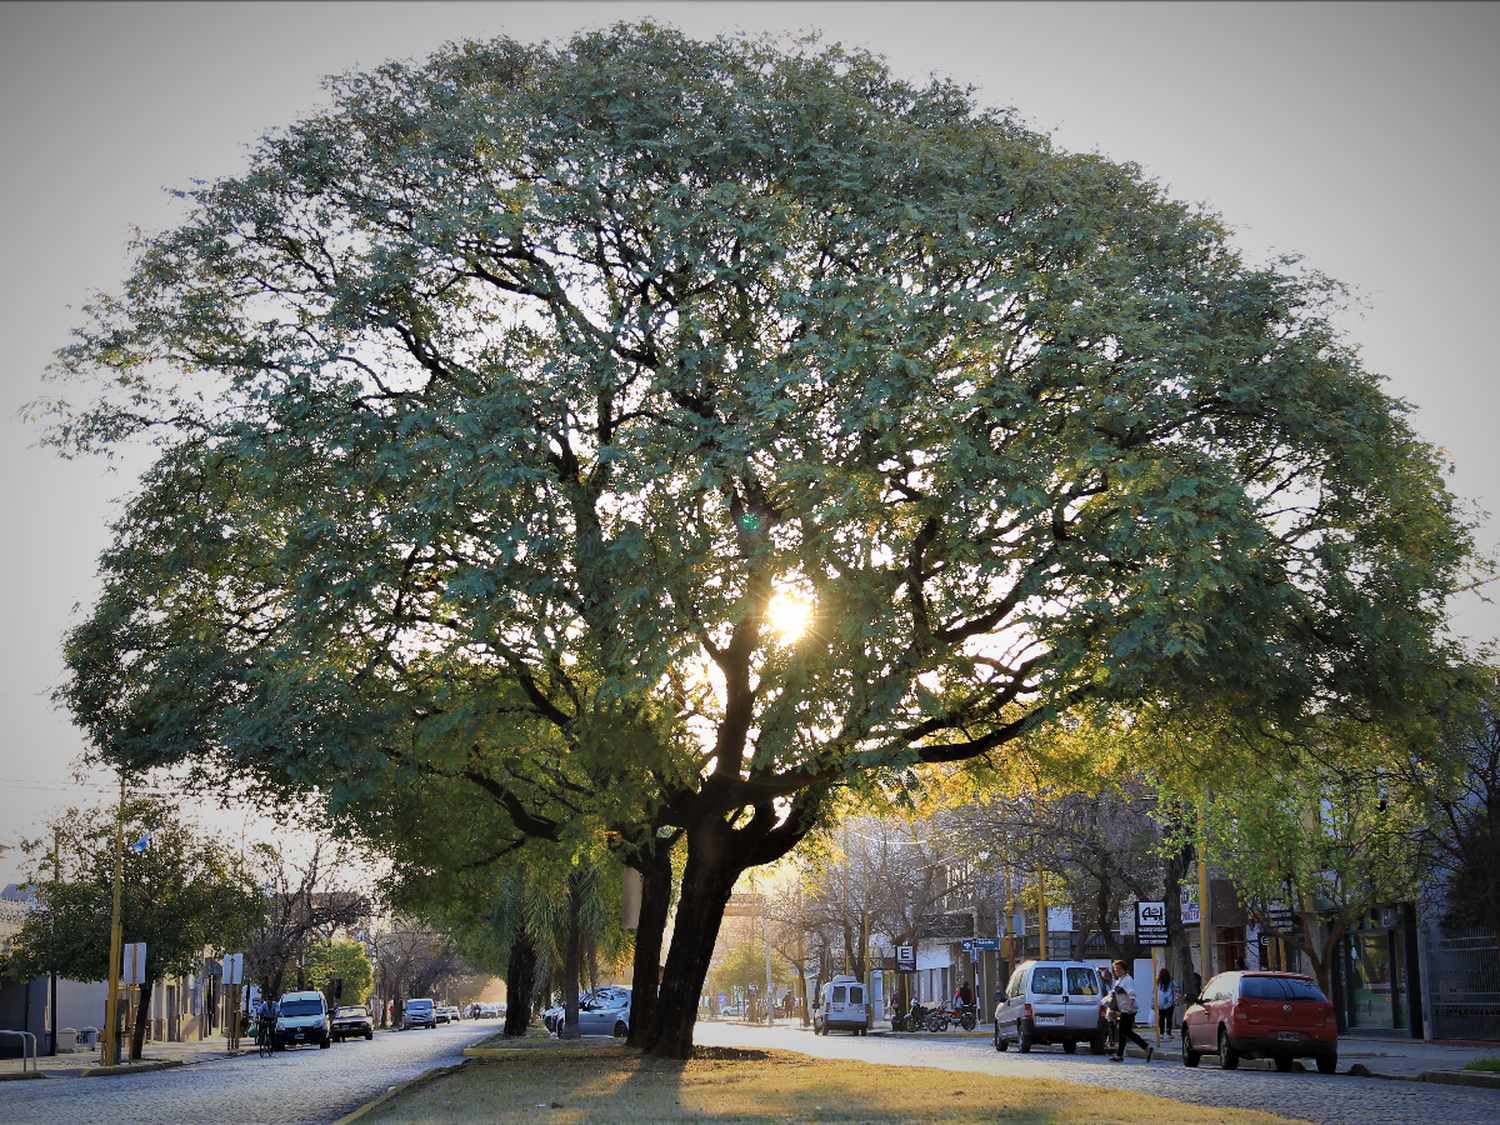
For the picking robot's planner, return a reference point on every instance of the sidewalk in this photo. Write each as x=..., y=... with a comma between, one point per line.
x=1381, y=1056
x=155, y=1056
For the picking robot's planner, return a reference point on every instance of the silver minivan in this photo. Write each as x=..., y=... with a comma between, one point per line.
x=1052, y=1002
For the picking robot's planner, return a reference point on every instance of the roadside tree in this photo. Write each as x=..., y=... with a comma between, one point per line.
x=340, y=969
x=306, y=900
x=1462, y=791
x=1321, y=845
x=710, y=427
x=182, y=889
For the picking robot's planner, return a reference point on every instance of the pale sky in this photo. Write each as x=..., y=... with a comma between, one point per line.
x=1361, y=136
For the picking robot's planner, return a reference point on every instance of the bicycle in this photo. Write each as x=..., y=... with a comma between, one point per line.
x=265, y=1037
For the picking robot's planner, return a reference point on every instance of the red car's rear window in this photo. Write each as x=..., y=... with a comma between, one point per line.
x=1280, y=988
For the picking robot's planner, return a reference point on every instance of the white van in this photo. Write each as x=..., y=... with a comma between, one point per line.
x=1052, y=1002
x=845, y=1007
x=303, y=1018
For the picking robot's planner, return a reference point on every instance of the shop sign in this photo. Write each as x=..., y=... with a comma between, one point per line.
x=1151, y=923
x=1191, y=915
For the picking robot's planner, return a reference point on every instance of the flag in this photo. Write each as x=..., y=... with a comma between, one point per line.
x=140, y=845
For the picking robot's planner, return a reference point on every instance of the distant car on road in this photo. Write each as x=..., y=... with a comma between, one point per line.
x=418, y=1012
x=353, y=1021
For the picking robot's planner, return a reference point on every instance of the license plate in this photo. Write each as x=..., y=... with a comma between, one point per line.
x=1047, y=1021
x=1288, y=1036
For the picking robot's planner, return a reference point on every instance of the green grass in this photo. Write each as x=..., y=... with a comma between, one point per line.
x=543, y=1082
x=1487, y=1061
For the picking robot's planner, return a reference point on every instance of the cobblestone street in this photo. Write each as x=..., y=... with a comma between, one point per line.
x=305, y=1086
x=313, y=1087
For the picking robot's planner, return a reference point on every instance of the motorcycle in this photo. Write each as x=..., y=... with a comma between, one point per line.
x=914, y=1020
x=965, y=1015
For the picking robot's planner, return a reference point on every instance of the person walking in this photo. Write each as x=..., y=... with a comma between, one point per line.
x=1168, y=996
x=1112, y=1011
x=1124, y=994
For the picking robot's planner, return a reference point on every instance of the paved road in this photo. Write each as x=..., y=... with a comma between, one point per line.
x=1324, y=1099
x=305, y=1086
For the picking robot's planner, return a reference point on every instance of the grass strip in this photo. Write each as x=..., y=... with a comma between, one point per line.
x=543, y=1082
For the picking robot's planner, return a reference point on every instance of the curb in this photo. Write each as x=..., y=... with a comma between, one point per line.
x=1487, y=1079
x=410, y=1084
x=17, y=1075
x=130, y=1068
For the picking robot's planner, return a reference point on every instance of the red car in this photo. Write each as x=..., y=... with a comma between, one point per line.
x=1280, y=1016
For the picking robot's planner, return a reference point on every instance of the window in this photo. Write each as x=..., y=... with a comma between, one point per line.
x=1082, y=982
x=839, y=993
x=1279, y=988
x=856, y=994
x=1047, y=980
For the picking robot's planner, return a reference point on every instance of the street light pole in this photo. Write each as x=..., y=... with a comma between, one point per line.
x=111, y=1054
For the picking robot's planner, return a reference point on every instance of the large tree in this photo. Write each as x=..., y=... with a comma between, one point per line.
x=503, y=405
x=181, y=889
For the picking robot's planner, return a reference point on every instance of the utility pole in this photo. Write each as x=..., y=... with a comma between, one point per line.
x=57, y=884
x=1041, y=902
x=1204, y=927
x=111, y=1054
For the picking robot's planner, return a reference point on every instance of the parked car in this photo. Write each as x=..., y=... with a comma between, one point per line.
x=352, y=1021
x=845, y=1007
x=418, y=1012
x=1266, y=1015
x=440, y=1014
x=554, y=1017
x=607, y=1013
x=1052, y=1002
x=454, y=1015
x=303, y=1019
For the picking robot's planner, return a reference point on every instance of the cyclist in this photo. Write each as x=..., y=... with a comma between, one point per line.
x=265, y=1025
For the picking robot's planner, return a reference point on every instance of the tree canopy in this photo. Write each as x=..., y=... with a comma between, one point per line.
x=503, y=404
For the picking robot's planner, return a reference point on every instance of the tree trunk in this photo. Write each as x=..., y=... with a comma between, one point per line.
x=520, y=976
x=656, y=900
x=1176, y=867
x=712, y=869
x=142, y=1013
x=717, y=854
x=572, y=958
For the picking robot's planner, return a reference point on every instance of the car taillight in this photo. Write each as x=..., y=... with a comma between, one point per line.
x=1028, y=1011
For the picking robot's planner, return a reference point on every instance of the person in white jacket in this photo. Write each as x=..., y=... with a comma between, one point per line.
x=1124, y=995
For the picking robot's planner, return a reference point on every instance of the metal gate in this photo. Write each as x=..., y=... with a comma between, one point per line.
x=1463, y=976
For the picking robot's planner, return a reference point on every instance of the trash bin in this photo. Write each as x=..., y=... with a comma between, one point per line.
x=67, y=1039
x=89, y=1038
